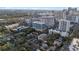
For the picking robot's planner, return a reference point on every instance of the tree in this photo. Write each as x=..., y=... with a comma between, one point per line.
x=3, y=29
x=6, y=47
x=52, y=37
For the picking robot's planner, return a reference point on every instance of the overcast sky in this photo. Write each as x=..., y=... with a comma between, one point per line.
x=36, y=4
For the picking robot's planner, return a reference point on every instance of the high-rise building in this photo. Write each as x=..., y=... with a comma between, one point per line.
x=77, y=19
x=48, y=20
x=73, y=19
x=39, y=26
x=64, y=25
x=72, y=9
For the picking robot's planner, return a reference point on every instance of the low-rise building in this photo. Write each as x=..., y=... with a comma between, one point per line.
x=28, y=22
x=64, y=34
x=20, y=28
x=53, y=31
x=12, y=26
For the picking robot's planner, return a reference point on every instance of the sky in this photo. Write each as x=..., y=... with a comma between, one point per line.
x=38, y=4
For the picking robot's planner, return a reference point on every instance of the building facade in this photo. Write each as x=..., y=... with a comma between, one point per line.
x=39, y=26
x=73, y=19
x=48, y=20
x=64, y=25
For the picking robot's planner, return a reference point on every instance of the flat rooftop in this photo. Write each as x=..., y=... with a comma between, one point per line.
x=38, y=22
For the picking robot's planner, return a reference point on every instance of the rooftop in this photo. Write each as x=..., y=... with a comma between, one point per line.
x=38, y=22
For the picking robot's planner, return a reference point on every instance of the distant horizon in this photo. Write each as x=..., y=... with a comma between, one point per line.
x=38, y=8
